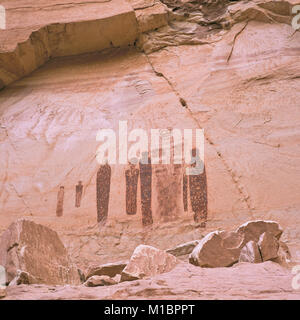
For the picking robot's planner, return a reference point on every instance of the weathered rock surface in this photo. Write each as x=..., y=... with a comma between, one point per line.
x=212, y=252
x=262, y=281
x=147, y=261
x=250, y=253
x=23, y=277
x=150, y=14
x=48, y=31
x=97, y=281
x=109, y=269
x=38, y=251
x=284, y=256
x=117, y=278
x=268, y=246
x=235, y=64
x=2, y=292
x=45, y=32
x=223, y=249
x=225, y=84
x=253, y=230
x=183, y=249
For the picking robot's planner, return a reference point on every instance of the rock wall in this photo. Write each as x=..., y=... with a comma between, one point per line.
x=230, y=68
x=38, y=32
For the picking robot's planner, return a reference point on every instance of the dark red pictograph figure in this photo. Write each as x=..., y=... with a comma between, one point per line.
x=103, y=190
x=79, y=190
x=60, y=202
x=168, y=191
x=132, y=176
x=146, y=192
x=185, y=192
x=198, y=195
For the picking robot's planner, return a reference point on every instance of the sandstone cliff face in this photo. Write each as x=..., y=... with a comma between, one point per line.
x=232, y=68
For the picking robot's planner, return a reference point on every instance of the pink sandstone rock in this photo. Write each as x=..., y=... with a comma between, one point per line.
x=250, y=253
x=2, y=292
x=109, y=269
x=223, y=249
x=147, y=261
x=268, y=246
x=284, y=256
x=97, y=281
x=252, y=230
x=230, y=67
x=38, y=251
x=211, y=252
x=23, y=277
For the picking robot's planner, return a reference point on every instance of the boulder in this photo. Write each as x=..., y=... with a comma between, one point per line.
x=23, y=277
x=217, y=249
x=283, y=255
x=109, y=269
x=252, y=230
x=250, y=253
x=183, y=249
x=268, y=246
x=223, y=249
x=2, y=292
x=232, y=240
x=97, y=281
x=148, y=261
x=37, y=250
x=81, y=276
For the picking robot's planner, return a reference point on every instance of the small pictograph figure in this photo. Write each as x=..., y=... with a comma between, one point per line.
x=132, y=176
x=185, y=192
x=103, y=191
x=79, y=190
x=198, y=191
x=60, y=202
x=146, y=189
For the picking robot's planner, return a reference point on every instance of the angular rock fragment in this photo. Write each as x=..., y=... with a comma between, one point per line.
x=109, y=269
x=250, y=253
x=216, y=250
x=23, y=277
x=268, y=246
x=283, y=255
x=2, y=292
x=81, y=275
x=232, y=240
x=36, y=249
x=148, y=261
x=97, y=281
x=183, y=249
x=252, y=230
x=223, y=249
